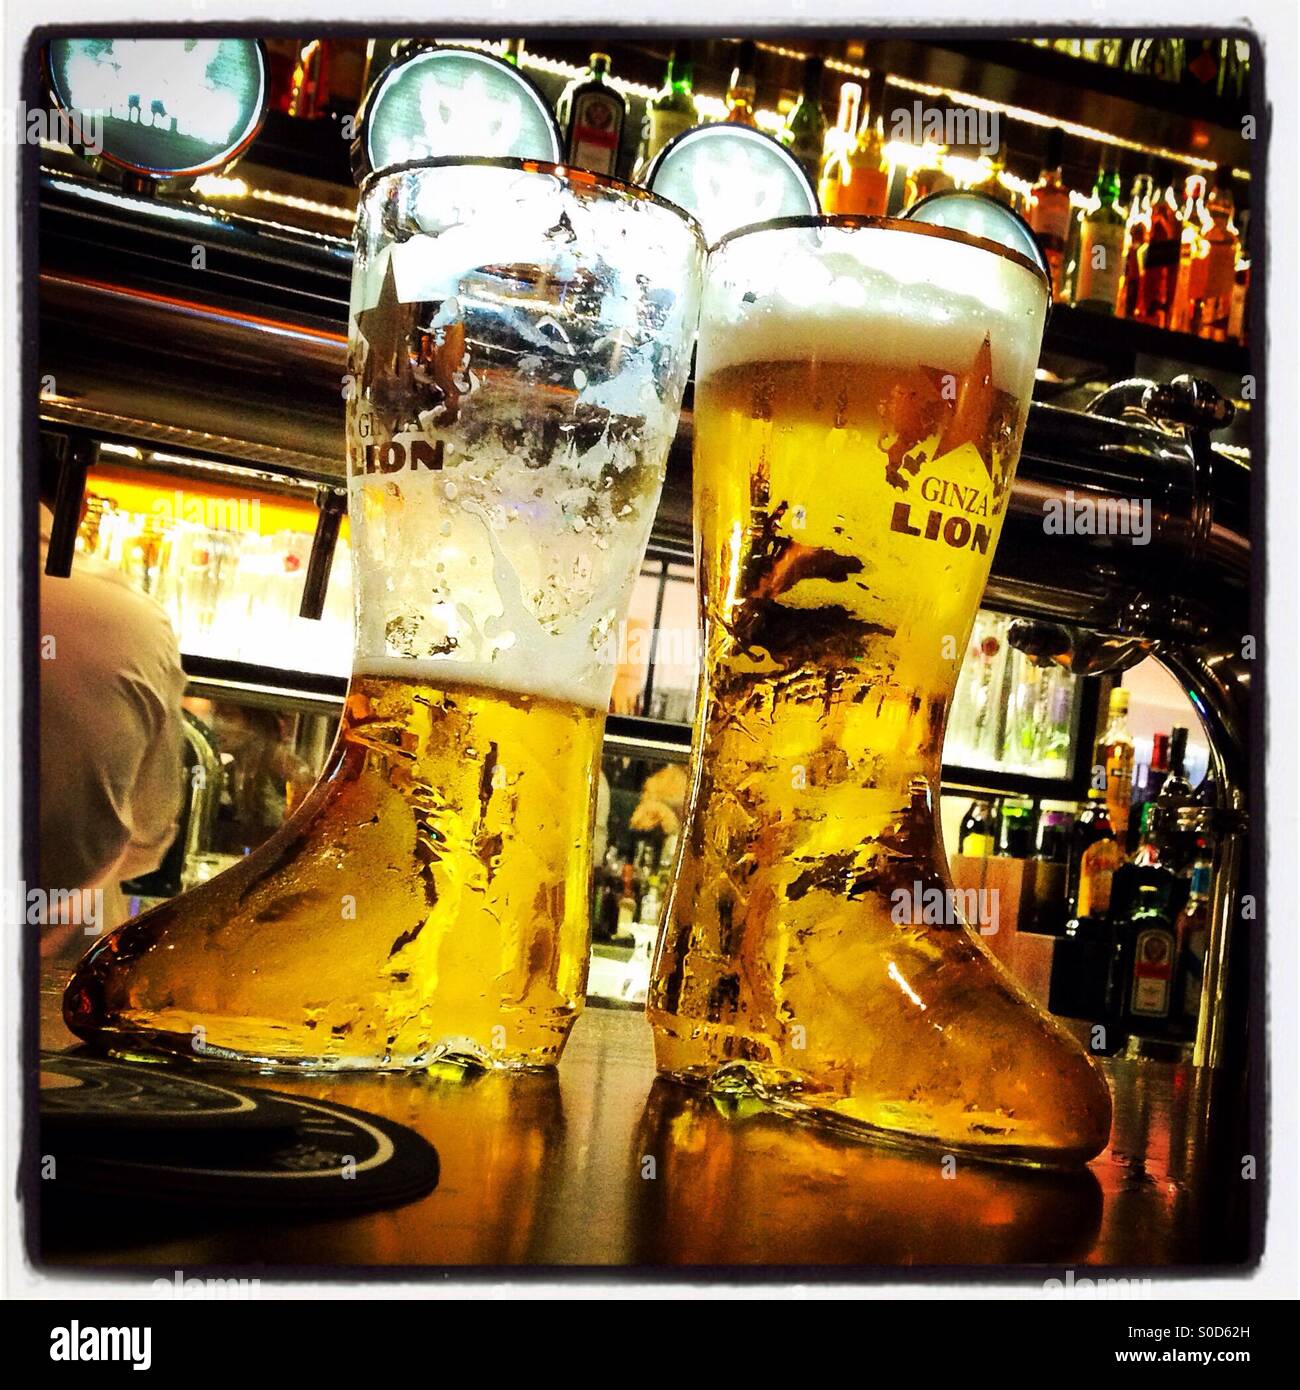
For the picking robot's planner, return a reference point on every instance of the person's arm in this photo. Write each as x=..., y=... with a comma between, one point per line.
x=155, y=801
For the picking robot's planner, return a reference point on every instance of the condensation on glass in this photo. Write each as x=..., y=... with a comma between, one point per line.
x=520, y=341
x=861, y=394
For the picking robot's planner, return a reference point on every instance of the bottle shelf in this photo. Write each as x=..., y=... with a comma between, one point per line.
x=1105, y=338
x=1183, y=101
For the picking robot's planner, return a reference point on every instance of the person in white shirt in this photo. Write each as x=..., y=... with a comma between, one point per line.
x=111, y=737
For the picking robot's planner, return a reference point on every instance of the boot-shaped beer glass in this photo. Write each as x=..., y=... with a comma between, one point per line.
x=520, y=340
x=861, y=393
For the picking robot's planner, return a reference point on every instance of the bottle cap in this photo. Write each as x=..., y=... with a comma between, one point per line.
x=1119, y=700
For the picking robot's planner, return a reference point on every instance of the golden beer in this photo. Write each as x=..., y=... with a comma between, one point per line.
x=852, y=470
x=428, y=900
x=520, y=341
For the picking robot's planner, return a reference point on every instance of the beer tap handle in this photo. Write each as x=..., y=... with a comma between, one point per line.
x=76, y=456
x=1191, y=402
x=330, y=504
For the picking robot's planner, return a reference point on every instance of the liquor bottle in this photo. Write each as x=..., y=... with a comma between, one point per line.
x=1115, y=754
x=1101, y=247
x=990, y=183
x=310, y=89
x=1192, y=936
x=281, y=64
x=978, y=835
x=651, y=905
x=627, y=902
x=1094, y=856
x=1170, y=60
x=673, y=109
x=804, y=134
x=1157, y=771
x=1145, y=916
x=1238, y=327
x=930, y=176
x=1048, y=213
x=840, y=139
x=1136, y=231
x=1146, y=851
x=1070, y=273
x=1176, y=790
x=1162, y=59
x=591, y=115
x=1019, y=831
x=349, y=78
x=1213, y=276
x=1086, y=983
x=1158, y=258
x=1054, y=837
x=1234, y=71
x=605, y=926
x=867, y=173
x=1159, y=766
x=1192, y=222
x=1172, y=844
x=1110, y=52
x=743, y=89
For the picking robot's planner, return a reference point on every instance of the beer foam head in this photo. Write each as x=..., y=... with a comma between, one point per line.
x=882, y=296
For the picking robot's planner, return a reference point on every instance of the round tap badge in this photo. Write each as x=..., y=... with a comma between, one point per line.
x=164, y=108
x=439, y=102
x=965, y=210
x=729, y=176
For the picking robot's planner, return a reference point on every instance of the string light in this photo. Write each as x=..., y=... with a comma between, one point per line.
x=1018, y=113
x=218, y=186
x=714, y=108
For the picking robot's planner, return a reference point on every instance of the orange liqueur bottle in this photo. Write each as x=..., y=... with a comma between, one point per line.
x=1049, y=210
x=839, y=141
x=1211, y=287
x=855, y=177
x=1192, y=224
x=1158, y=256
x=1136, y=231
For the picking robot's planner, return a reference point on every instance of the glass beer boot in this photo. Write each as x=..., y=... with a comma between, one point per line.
x=861, y=393
x=520, y=340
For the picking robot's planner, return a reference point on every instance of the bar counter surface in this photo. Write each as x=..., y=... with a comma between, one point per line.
x=600, y=1165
